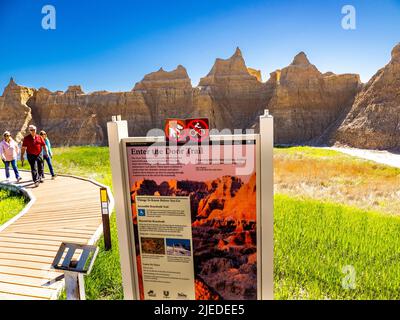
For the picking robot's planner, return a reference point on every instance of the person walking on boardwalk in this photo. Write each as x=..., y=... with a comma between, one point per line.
x=47, y=155
x=33, y=145
x=9, y=153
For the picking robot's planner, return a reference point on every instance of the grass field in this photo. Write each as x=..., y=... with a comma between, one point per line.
x=318, y=246
x=317, y=234
x=10, y=205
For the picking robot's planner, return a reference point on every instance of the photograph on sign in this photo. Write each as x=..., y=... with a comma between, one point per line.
x=194, y=215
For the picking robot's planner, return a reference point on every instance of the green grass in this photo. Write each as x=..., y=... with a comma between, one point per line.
x=89, y=162
x=314, y=239
x=10, y=205
x=309, y=152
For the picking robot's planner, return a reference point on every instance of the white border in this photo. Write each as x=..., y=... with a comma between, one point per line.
x=259, y=220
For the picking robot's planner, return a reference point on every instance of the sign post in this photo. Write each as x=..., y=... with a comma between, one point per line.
x=117, y=130
x=267, y=203
x=105, y=215
x=197, y=213
x=76, y=260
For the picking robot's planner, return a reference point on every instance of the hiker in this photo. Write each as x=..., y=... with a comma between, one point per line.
x=47, y=155
x=9, y=153
x=33, y=145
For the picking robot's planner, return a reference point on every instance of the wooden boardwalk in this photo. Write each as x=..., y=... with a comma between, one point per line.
x=66, y=209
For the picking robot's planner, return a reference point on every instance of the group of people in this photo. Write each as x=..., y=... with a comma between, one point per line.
x=37, y=148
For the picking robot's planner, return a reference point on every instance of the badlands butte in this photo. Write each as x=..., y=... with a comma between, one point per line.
x=309, y=107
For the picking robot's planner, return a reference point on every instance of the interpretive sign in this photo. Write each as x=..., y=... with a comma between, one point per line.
x=218, y=181
x=196, y=218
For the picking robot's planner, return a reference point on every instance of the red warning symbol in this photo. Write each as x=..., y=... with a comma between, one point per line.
x=175, y=129
x=197, y=129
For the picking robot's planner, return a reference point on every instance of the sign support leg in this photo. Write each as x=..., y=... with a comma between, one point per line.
x=267, y=205
x=74, y=286
x=118, y=130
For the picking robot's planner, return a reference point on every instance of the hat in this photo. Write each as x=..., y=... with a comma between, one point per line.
x=6, y=133
x=32, y=127
x=42, y=132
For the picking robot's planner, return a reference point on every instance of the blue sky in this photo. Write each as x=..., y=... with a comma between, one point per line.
x=110, y=45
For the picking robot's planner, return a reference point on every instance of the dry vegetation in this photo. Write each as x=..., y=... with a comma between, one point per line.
x=331, y=176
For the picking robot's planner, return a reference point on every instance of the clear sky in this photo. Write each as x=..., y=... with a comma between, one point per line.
x=110, y=45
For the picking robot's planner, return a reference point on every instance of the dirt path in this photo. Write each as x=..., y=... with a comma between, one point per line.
x=383, y=157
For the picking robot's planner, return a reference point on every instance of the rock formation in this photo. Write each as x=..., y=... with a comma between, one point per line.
x=166, y=95
x=305, y=102
x=15, y=115
x=308, y=106
x=374, y=119
x=236, y=96
x=255, y=73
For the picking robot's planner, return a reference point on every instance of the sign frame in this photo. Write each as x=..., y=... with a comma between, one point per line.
x=118, y=140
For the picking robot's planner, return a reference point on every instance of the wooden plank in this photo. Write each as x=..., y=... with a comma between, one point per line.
x=40, y=236
x=31, y=252
x=58, y=214
x=49, y=232
x=24, y=264
x=62, y=220
x=26, y=291
x=29, y=281
x=26, y=257
x=73, y=206
x=58, y=229
x=76, y=231
x=32, y=273
x=66, y=210
x=10, y=296
x=4, y=238
x=29, y=246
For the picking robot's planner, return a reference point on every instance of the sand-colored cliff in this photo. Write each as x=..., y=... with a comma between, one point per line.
x=308, y=106
x=374, y=119
x=305, y=102
x=15, y=115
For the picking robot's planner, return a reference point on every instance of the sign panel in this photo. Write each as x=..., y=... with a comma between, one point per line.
x=165, y=244
x=195, y=215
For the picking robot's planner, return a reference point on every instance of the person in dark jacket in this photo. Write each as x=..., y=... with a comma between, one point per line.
x=33, y=144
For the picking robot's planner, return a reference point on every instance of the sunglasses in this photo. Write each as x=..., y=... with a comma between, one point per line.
x=32, y=130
